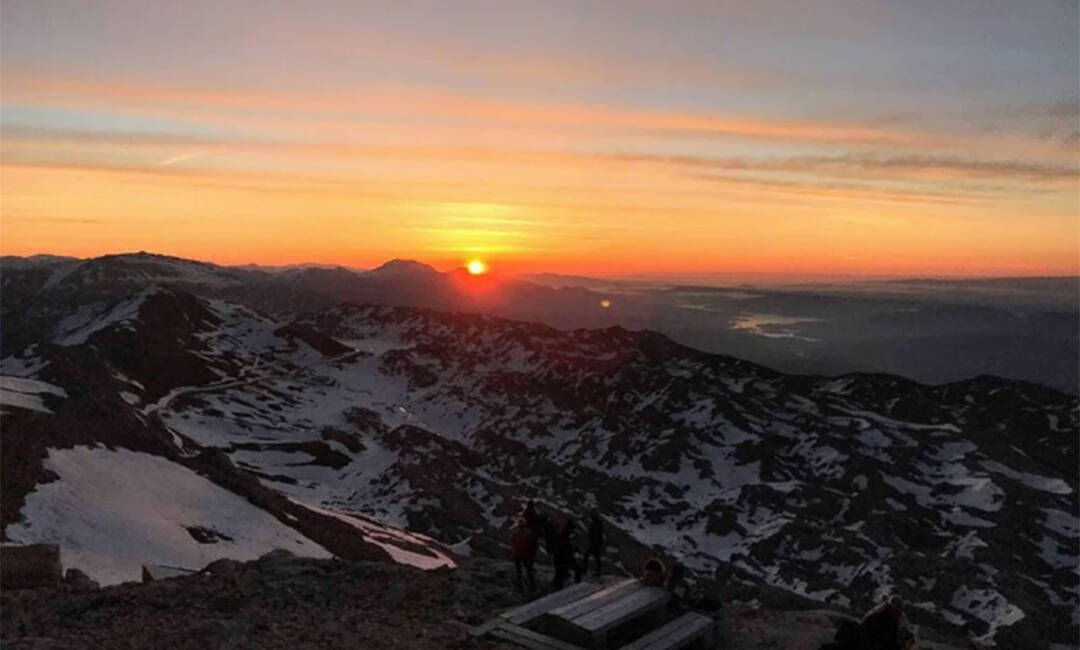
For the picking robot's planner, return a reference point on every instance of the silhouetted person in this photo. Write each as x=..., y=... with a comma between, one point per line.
x=562, y=554
x=886, y=628
x=883, y=628
x=596, y=542
x=676, y=584
x=530, y=514
x=846, y=637
x=538, y=525
x=655, y=575
x=523, y=546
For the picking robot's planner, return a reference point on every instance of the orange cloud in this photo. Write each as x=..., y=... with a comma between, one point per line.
x=252, y=107
x=409, y=115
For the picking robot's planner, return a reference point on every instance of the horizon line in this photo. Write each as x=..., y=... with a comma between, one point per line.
x=689, y=278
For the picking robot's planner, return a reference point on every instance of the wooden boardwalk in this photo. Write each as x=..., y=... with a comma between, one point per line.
x=582, y=616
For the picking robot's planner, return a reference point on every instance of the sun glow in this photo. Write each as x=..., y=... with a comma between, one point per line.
x=476, y=267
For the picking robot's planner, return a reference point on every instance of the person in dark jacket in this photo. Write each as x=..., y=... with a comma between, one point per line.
x=596, y=542
x=523, y=547
x=562, y=554
x=883, y=628
x=676, y=584
x=531, y=514
x=846, y=637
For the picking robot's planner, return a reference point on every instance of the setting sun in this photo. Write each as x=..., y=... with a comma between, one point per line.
x=476, y=267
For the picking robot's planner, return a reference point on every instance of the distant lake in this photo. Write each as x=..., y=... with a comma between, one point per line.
x=773, y=326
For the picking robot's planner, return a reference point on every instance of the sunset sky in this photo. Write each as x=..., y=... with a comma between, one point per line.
x=684, y=137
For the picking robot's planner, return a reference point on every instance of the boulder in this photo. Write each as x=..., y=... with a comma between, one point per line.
x=30, y=566
x=223, y=567
x=276, y=555
x=151, y=572
x=79, y=581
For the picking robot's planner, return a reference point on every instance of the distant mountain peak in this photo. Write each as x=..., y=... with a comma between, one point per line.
x=403, y=267
x=138, y=268
x=29, y=261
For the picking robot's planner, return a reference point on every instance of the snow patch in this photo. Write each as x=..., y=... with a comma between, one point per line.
x=111, y=511
x=1035, y=481
x=77, y=328
x=23, y=393
x=391, y=540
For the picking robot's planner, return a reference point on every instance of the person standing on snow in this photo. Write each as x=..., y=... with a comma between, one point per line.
x=596, y=542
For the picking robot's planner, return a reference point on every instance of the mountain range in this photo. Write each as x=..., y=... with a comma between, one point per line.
x=933, y=331
x=160, y=410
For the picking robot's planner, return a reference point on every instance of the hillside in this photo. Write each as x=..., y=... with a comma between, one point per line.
x=281, y=601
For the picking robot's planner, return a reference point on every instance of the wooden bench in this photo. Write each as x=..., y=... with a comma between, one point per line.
x=679, y=633
x=532, y=611
x=523, y=636
x=598, y=598
x=590, y=619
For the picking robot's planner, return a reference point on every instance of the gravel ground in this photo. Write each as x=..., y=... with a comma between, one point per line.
x=276, y=602
x=282, y=601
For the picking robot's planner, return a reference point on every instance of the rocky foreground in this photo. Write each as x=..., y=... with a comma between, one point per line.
x=282, y=601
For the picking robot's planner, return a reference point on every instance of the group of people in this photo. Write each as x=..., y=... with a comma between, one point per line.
x=530, y=527
x=885, y=627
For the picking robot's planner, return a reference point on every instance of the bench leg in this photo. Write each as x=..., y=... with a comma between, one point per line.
x=599, y=641
x=707, y=640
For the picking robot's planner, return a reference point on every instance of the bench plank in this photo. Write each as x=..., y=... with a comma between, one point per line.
x=533, y=610
x=483, y=628
x=530, y=639
x=575, y=609
x=677, y=634
x=629, y=607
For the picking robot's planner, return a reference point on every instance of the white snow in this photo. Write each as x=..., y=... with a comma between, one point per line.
x=964, y=547
x=1055, y=555
x=1036, y=481
x=90, y=319
x=989, y=606
x=25, y=364
x=392, y=540
x=23, y=393
x=1062, y=522
x=23, y=385
x=111, y=511
x=59, y=274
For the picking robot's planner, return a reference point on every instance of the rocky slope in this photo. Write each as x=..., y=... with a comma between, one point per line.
x=281, y=601
x=342, y=427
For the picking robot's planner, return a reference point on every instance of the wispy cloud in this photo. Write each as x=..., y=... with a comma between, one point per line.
x=329, y=113
x=180, y=157
x=926, y=166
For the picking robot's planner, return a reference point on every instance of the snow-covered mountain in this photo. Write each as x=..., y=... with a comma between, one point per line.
x=934, y=332
x=145, y=423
